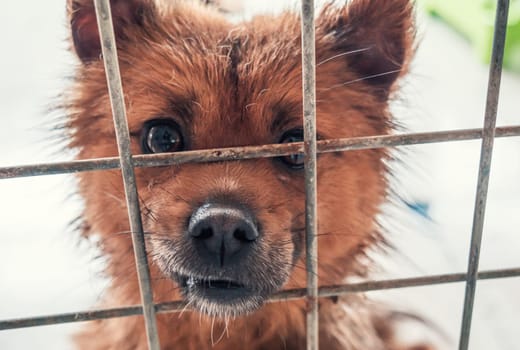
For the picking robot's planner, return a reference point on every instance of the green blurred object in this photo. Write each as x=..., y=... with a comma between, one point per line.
x=475, y=20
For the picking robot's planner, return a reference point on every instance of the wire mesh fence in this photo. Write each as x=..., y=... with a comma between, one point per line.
x=310, y=148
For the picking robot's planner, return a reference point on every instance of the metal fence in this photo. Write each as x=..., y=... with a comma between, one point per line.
x=310, y=147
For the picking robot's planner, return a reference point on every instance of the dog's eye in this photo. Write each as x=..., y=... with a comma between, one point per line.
x=160, y=136
x=294, y=161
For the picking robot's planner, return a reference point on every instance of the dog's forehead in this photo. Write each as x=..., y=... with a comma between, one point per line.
x=218, y=84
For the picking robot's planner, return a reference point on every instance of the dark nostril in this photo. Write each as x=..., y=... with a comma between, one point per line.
x=240, y=235
x=202, y=232
x=245, y=235
x=205, y=233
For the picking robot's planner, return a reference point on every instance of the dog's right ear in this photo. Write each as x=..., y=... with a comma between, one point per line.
x=375, y=38
x=127, y=15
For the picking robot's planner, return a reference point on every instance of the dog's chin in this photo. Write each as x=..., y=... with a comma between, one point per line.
x=220, y=297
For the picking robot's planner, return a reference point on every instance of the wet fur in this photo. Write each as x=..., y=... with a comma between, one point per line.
x=235, y=85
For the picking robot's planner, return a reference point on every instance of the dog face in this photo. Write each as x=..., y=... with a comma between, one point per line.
x=230, y=234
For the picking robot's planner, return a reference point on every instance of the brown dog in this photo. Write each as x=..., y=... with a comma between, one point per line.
x=225, y=236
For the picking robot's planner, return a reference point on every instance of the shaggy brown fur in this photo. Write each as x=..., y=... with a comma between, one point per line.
x=227, y=85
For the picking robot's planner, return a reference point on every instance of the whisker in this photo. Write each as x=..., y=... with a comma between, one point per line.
x=185, y=307
x=362, y=79
x=223, y=332
x=211, y=333
x=176, y=196
x=342, y=54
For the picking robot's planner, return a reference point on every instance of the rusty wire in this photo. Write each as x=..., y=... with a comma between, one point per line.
x=493, y=92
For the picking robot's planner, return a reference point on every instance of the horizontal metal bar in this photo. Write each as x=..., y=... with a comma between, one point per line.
x=486, y=153
x=250, y=152
x=328, y=291
x=72, y=317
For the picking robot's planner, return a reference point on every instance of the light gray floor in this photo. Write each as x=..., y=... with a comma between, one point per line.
x=43, y=270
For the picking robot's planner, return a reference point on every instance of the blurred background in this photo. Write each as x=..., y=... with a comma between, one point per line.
x=45, y=268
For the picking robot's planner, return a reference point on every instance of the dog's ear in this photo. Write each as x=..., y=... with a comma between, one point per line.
x=127, y=15
x=375, y=37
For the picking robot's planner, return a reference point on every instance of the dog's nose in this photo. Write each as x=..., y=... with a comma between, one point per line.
x=222, y=233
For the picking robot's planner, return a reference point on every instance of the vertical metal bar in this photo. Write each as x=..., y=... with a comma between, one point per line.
x=309, y=124
x=495, y=73
x=108, y=43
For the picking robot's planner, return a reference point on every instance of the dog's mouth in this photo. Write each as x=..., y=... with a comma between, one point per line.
x=223, y=291
x=217, y=287
x=219, y=296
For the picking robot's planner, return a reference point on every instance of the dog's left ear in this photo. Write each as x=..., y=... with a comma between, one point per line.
x=128, y=16
x=375, y=37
